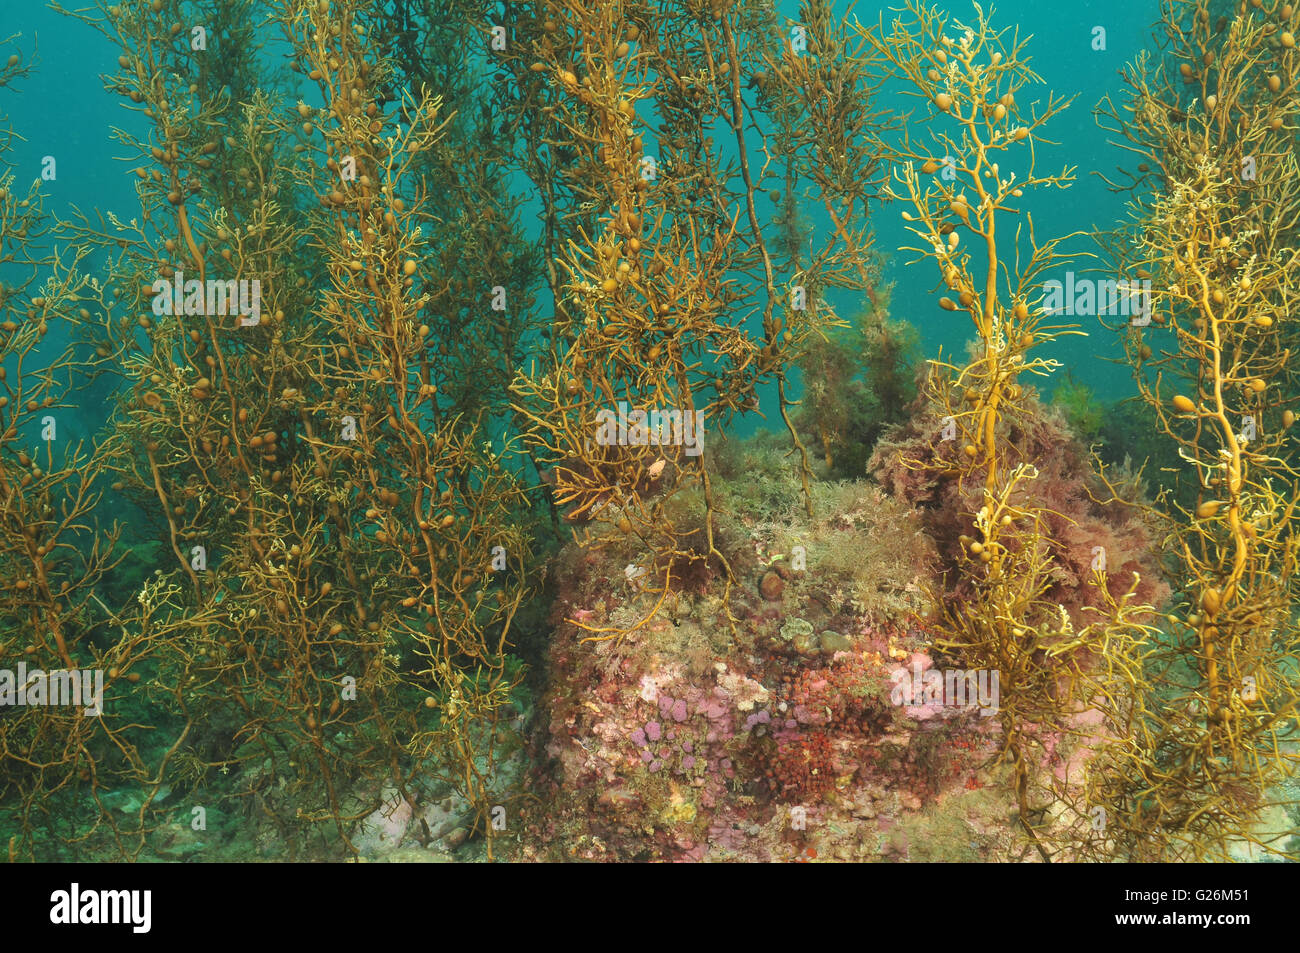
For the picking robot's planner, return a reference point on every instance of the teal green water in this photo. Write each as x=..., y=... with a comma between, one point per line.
x=63, y=110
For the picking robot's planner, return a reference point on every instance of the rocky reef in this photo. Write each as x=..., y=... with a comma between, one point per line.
x=785, y=726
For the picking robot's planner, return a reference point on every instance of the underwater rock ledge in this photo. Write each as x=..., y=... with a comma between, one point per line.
x=776, y=738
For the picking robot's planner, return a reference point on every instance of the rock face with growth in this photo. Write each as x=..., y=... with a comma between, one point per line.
x=1082, y=518
x=790, y=730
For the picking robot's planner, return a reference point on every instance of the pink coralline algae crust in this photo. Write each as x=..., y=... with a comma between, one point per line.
x=708, y=765
x=697, y=746
x=691, y=739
